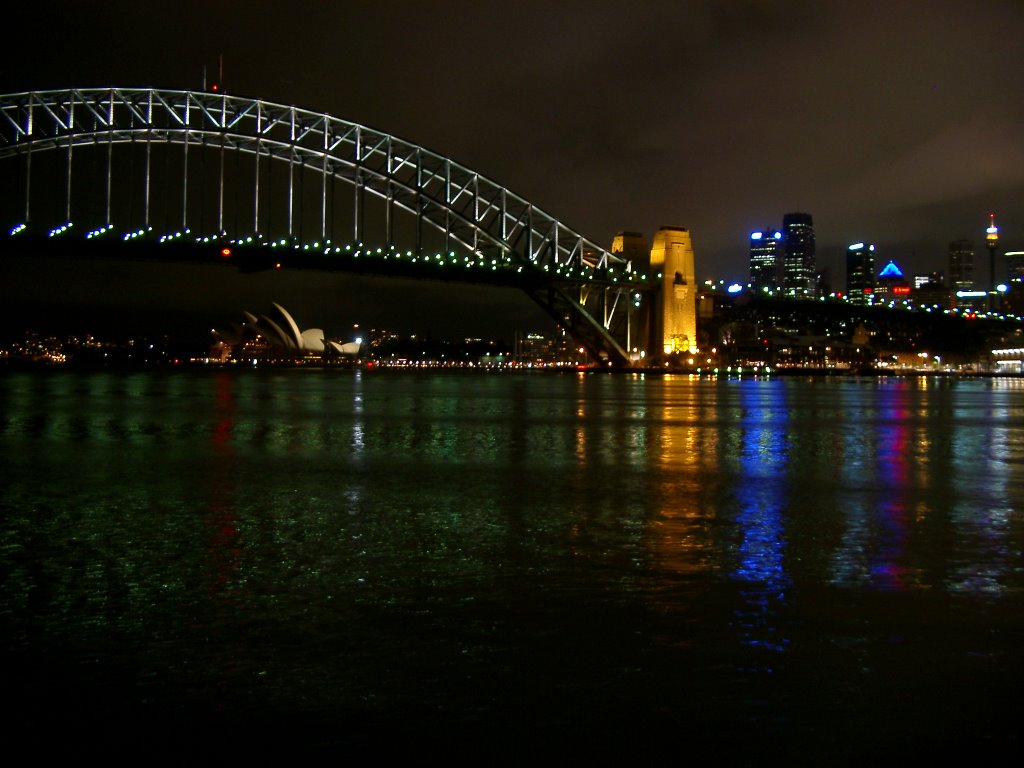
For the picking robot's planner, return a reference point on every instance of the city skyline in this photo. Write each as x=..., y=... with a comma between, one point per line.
x=776, y=262
x=615, y=119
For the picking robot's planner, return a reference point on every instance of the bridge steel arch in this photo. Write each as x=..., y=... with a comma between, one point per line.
x=581, y=285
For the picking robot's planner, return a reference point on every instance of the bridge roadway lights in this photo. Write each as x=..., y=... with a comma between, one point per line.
x=444, y=198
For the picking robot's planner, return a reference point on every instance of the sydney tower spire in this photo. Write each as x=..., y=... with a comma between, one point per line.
x=992, y=242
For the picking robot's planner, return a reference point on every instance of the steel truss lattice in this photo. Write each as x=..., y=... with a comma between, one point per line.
x=471, y=210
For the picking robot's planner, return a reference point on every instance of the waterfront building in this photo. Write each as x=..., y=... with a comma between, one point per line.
x=765, y=250
x=860, y=273
x=799, y=276
x=676, y=322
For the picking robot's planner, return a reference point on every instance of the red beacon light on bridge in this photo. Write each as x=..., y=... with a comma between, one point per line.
x=225, y=252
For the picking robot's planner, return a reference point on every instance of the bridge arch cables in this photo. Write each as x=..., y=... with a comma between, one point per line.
x=468, y=211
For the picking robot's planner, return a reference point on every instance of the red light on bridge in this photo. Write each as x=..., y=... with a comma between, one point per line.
x=225, y=252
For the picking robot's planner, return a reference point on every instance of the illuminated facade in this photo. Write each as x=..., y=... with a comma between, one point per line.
x=890, y=283
x=860, y=273
x=764, y=259
x=280, y=331
x=800, y=274
x=672, y=256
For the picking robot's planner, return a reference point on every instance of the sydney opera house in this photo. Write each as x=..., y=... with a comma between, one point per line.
x=279, y=331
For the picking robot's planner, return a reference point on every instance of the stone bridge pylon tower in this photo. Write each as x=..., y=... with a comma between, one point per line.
x=674, y=316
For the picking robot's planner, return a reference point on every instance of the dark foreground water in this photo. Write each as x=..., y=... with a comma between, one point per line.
x=507, y=567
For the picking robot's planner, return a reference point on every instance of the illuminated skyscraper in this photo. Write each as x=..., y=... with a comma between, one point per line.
x=860, y=273
x=961, y=268
x=672, y=256
x=890, y=283
x=929, y=278
x=764, y=259
x=799, y=276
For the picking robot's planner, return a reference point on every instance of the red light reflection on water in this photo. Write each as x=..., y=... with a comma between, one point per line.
x=222, y=520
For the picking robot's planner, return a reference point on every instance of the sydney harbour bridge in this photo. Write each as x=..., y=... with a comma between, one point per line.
x=210, y=177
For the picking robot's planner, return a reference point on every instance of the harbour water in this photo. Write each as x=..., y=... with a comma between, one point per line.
x=510, y=566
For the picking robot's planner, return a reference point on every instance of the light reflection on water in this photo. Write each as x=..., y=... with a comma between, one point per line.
x=338, y=542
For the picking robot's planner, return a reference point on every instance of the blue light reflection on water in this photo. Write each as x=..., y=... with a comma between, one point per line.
x=448, y=544
x=762, y=495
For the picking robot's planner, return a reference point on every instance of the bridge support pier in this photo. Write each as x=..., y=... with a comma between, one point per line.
x=675, y=315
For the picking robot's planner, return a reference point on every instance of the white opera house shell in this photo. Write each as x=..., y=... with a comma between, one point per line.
x=281, y=331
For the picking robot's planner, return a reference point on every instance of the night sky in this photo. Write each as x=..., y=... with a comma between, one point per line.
x=898, y=123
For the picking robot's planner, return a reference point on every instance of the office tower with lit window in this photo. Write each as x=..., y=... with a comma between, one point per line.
x=764, y=259
x=961, y=268
x=860, y=273
x=1014, y=266
x=799, y=276
x=890, y=285
x=928, y=278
